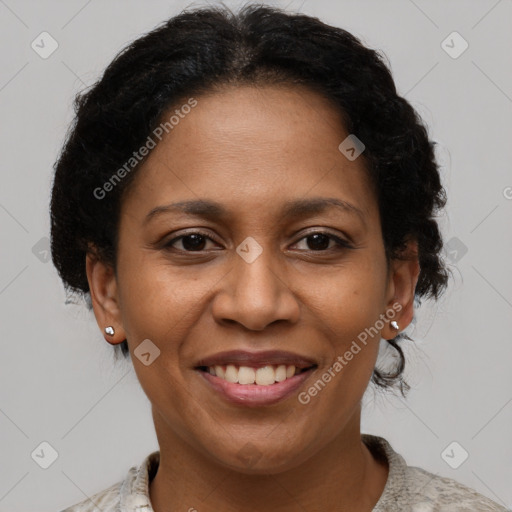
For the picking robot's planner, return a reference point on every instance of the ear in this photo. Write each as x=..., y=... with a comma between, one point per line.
x=403, y=277
x=104, y=298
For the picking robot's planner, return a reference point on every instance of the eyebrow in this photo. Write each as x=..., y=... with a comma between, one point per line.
x=294, y=208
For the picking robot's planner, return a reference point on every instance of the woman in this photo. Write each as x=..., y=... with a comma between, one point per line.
x=249, y=206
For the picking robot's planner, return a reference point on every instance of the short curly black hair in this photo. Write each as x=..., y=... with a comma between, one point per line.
x=204, y=48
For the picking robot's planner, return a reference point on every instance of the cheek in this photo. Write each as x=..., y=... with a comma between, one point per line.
x=348, y=308
x=159, y=301
x=352, y=299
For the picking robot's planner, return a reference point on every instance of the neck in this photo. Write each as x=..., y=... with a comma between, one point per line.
x=342, y=475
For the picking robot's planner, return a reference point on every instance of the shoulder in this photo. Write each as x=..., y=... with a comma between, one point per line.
x=130, y=494
x=431, y=493
x=106, y=501
x=414, y=489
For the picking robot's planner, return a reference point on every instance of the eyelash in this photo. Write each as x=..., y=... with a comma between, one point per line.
x=341, y=244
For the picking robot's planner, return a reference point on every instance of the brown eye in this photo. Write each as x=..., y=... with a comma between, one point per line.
x=190, y=242
x=319, y=241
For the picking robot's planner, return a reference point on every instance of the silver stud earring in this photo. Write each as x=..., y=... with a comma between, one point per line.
x=109, y=330
x=395, y=326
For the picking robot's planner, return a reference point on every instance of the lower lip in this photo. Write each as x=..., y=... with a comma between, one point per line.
x=254, y=395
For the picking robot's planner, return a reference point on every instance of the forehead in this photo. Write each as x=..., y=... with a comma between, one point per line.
x=250, y=146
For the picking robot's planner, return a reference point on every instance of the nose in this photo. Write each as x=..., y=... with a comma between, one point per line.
x=255, y=294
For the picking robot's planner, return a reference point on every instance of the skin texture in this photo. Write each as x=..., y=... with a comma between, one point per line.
x=252, y=149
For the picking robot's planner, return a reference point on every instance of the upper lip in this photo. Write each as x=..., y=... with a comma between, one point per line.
x=256, y=359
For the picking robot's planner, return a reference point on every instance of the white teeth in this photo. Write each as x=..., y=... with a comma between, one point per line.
x=264, y=376
x=281, y=373
x=231, y=373
x=219, y=371
x=246, y=375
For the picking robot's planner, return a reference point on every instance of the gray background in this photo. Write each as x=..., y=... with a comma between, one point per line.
x=58, y=381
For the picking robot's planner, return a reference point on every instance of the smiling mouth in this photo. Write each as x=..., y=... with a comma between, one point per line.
x=267, y=375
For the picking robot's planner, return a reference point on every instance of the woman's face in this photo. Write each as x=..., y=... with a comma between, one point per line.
x=250, y=276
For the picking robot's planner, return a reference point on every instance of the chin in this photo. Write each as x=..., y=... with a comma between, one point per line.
x=253, y=457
